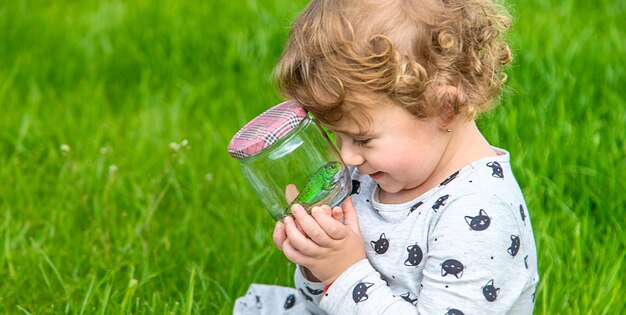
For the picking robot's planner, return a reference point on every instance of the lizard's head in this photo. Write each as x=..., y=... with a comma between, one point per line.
x=331, y=169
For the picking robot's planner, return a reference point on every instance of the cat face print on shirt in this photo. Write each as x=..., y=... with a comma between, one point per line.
x=407, y=297
x=290, y=301
x=415, y=255
x=356, y=187
x=381, y=245
x=313, y=291
x=415, y=206
x=452, y=267
x=480, y=222
x=490, y=291
x=496, y=169
x=259, y=304
x=359, y=294
x=515, y=245
x=440, y=202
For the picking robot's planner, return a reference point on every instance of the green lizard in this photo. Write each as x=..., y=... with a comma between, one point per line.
x=318, y=186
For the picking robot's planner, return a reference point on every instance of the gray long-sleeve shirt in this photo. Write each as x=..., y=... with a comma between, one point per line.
x=464, y=247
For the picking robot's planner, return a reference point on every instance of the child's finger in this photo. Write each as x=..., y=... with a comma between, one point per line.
x=297, y=206
x=337, y=213
x=350, y=217
x=293, y=254
x=311, y=228
x=326, y=209
x=333, y=228
x=279, y=236
x=299, y=240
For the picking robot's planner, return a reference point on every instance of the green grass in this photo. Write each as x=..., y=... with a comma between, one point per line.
x=105, y=210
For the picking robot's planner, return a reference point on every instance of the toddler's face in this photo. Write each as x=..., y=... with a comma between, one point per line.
x=401, y=153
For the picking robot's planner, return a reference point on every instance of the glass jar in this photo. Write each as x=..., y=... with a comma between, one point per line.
x=298, y=160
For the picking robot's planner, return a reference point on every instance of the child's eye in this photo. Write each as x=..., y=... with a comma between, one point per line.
x=360, y=142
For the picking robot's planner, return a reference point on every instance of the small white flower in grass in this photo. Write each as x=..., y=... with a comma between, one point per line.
x=208, y=177
x=174, y=146
x=112, y=169
x=105, y=150
x=65, y=148
x=180, y=146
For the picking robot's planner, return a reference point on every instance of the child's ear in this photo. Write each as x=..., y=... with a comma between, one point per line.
x=450, y=103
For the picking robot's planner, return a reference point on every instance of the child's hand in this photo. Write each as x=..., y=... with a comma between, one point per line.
x=280, y=235
x=291, y=191
x=321, y=243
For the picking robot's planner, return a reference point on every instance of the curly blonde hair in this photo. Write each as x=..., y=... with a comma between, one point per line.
x=408, y=51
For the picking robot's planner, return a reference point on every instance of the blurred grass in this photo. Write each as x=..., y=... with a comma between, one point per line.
x=118, y=196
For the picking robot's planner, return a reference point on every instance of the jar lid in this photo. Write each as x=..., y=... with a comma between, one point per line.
x=265, y=129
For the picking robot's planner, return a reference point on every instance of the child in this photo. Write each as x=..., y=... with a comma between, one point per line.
x=439, y=224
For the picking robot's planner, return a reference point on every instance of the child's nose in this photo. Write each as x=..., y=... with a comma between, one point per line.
x=351, y=156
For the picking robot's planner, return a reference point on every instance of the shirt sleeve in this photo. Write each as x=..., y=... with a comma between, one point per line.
x=361, y=290
x=310, y=291
x=476, y=261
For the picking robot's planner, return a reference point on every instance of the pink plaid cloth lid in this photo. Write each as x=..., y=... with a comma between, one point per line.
x=265, y=129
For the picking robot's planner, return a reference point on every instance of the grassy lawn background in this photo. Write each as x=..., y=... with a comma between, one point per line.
x=117, y=194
